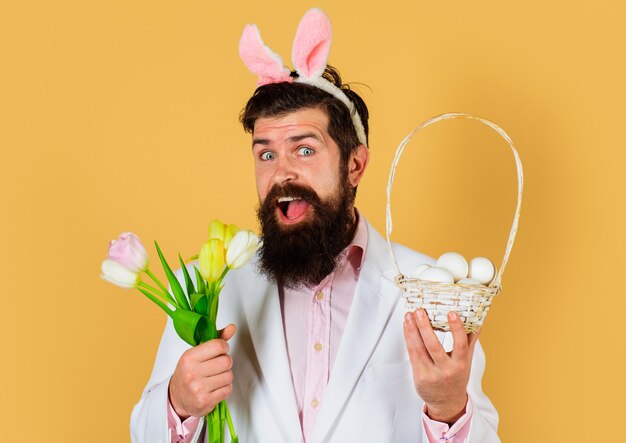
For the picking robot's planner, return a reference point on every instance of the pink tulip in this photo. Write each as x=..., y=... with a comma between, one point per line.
x=129, y=252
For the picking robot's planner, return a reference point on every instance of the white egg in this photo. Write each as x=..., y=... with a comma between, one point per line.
x=482, y=269
x=454, y=263
x=416, y=273
x=468, y=281
x=435, y=274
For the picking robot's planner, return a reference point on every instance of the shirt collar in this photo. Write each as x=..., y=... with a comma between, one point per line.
x=356, y=249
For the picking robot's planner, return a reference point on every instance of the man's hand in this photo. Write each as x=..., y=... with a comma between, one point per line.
x=440, y=377
x=202, y=377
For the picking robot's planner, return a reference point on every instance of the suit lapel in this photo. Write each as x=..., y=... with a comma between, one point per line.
x=375, y=298
x=263, y=314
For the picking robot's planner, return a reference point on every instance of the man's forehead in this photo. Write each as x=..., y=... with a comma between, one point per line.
x=309, y=119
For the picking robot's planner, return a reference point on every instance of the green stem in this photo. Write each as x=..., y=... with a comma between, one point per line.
x=231, y=428
x=158, y=282
x=215, y=298
x=219, y=280
x=155, y=291
x=222, y=418
x=159, y=303
x=214, y=418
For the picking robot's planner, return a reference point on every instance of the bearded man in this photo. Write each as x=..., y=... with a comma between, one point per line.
x=323, y=351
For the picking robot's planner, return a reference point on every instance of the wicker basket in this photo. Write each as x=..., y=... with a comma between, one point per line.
x=471, y=302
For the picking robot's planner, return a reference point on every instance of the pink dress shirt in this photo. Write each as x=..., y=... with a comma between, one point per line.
x=313, y=321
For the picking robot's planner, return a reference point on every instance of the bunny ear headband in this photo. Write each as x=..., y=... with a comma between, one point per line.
x=311, y=47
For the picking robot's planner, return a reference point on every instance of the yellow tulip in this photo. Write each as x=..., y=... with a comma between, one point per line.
x=229, y=233
x=211, y=260
x=217, y=230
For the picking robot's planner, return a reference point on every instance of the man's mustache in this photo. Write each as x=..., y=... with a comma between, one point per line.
x=303, y=192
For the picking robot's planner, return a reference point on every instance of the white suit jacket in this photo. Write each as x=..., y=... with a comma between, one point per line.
x=370, y=396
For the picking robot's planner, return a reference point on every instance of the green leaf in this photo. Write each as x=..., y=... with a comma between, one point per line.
x=207, y=332
x=188, y=282
x=192, y=327
x=200, y=281
x=199, y=303
x=179, y=295
x=185, y=323
x=156, y=300
x=194, y=298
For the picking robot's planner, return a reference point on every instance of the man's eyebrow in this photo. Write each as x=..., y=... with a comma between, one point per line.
x=260, y=141
x=297, y=138
x=292, y=139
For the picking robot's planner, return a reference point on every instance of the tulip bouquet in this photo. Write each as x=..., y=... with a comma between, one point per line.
x=194, y=310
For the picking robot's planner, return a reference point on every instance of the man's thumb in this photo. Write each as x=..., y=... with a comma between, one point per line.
x=228, y=332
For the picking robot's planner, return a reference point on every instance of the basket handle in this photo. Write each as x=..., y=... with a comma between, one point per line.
x=520, y=185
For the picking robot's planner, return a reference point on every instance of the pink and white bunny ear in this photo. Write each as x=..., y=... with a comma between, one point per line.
x=312, y=44
x=260, y=59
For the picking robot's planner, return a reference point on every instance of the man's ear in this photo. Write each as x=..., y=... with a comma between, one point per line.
x=359, y=158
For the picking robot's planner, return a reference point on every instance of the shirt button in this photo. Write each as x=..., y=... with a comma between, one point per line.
x=318, y=347
x=315, y=403
x=319, y=295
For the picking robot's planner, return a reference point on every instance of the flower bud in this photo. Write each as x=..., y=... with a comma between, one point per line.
x=217, y=230
x=241, y=249
x=119, y=275
x=230, y=232
x=211, y=260
x=129, y=252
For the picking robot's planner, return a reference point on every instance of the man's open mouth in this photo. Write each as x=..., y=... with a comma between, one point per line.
x=292, y=209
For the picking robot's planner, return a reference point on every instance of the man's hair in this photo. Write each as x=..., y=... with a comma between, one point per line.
x=278, y=99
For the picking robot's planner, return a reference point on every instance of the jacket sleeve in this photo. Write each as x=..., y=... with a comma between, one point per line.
x=149, y=420
x=484, y=421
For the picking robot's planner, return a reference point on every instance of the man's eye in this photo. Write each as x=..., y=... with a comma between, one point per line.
x=305, y=151
x=268, y=156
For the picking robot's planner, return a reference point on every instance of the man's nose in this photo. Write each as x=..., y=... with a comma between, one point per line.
x=285, y=170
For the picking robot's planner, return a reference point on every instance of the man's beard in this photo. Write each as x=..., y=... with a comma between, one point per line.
x=303, y=254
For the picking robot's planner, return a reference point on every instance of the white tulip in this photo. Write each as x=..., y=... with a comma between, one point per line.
x=241, y=248
x=115, y=273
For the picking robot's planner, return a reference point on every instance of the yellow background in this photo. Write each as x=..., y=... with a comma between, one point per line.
x=123, y=115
